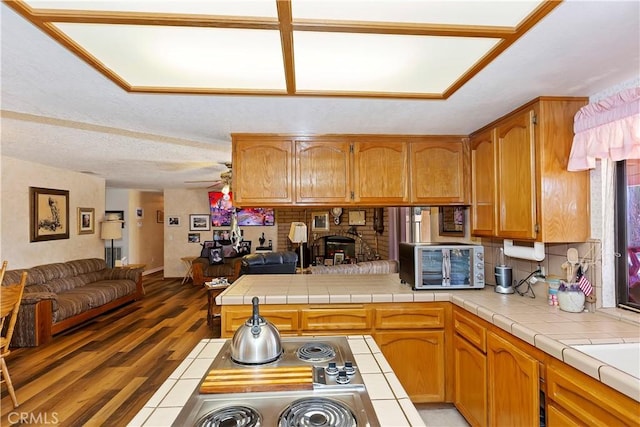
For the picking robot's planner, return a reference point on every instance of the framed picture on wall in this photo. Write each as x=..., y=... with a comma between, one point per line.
x=452, y=220
x=49, y=214
x=194, y=238
x=320, y=221
x=86, y=220
x=174, y=221
x=199, y=222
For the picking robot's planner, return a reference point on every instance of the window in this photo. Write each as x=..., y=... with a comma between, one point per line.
x=628, y=233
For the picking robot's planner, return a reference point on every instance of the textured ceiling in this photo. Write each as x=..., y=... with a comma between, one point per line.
x=57, y=110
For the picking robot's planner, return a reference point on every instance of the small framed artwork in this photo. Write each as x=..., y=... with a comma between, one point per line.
x=338, y=258
x=357, y=218
x=320, y=221
x=319, y=260
x=139, y=213
x=174, y=221
x=194, y=238
x=119, y=215
x=452, y=220
x=159, y=216
x=86, y=220
x=328, y=262
x=199, y=222
x=49, y=214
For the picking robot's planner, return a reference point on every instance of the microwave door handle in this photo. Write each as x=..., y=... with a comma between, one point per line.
x=446, y=268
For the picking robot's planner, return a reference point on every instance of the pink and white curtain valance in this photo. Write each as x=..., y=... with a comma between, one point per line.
x=607, y=129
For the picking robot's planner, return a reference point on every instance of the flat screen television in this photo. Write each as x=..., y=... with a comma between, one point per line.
x=221, y=206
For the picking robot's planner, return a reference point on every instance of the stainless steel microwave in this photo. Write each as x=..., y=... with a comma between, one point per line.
x=441, y=265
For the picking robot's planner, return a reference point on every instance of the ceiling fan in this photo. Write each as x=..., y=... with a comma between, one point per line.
x=222, y=184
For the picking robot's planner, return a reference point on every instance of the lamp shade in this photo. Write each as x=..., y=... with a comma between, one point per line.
x=111, y=230
x=298, y=232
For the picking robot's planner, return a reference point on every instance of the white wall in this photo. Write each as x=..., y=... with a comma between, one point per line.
x=86, y=191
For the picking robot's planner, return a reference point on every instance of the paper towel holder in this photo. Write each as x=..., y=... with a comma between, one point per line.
x=535, y=253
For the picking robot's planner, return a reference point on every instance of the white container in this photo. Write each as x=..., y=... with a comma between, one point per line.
x=571, y=301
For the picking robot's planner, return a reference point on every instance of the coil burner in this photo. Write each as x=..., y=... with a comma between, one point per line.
x=231, y=416
x=316, y=352
x=317, y=412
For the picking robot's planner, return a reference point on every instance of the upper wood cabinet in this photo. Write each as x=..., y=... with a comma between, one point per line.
x=339, y=170
x=323, y=171
x=483, y=178
x=516, y=177
x=262, y=170
x=380, y=170
x=535, y=197
x=438, y=171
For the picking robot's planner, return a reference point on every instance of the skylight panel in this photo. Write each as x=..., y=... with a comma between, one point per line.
x=185, y=56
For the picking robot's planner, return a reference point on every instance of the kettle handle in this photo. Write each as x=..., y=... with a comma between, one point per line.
x=255, y=318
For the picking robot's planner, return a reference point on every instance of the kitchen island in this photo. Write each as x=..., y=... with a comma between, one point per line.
x=390, y=401
x=322, y=304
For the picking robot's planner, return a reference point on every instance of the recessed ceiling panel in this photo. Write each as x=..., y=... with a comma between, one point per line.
x=470, y=12
x=383, y=63
x=148, y=56
x=263, y=8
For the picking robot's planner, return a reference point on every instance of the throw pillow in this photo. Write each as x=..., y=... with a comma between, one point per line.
x=208, y=244
x=215, y=256
x=228, y=251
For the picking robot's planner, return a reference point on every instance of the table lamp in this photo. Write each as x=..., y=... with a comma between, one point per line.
x=298, y=234
x=111, y=229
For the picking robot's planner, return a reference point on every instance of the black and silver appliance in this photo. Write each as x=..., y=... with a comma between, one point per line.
x=441, y=265
x=338, y=398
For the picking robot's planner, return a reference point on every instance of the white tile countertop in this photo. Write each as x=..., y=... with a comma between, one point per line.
x=531, y=319
x=390, y=401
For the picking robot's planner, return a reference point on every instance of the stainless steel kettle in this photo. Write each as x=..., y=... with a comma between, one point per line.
x=257, y=341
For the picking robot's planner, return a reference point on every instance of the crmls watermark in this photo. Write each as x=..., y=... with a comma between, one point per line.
x=37, y=418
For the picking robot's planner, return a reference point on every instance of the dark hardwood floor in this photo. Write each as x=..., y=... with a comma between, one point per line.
x=102, y=373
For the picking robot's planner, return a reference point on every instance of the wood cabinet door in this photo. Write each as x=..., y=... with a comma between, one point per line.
x=417, y=359
x=381, y=169
x=437, y=172
x=583, y=400
x=470, y=382
x=262, y=171
x=483, y=183
x=513, y=384
x=516, y=177
x=323, y=171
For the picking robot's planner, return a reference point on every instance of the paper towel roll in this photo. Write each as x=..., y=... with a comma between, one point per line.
x=535, y=253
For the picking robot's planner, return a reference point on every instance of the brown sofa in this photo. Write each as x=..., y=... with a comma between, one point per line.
x=366, y=267
x=62, y=295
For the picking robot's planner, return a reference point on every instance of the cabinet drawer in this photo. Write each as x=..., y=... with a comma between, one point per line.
x=410, y=318
x=285, y=320
x=328, y=319
x=466, y=327
x=587, y=399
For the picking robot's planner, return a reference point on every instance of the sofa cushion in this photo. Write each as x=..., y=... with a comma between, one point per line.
x=366, y=267
x=88, y=265
x=54, y=271
x=63, y=284
x=83, y=298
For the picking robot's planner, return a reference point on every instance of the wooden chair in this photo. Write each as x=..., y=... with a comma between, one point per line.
x=10, y=297
x=4, y=268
